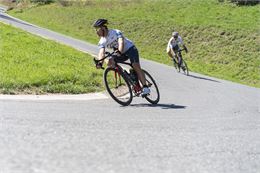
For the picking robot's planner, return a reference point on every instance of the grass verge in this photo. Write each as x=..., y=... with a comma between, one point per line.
x=32, y=65
x=223, y=38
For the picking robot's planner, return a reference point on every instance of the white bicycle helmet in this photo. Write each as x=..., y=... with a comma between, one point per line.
x=175, y=34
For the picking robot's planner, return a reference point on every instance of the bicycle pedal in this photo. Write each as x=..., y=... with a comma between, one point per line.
x=144, y=95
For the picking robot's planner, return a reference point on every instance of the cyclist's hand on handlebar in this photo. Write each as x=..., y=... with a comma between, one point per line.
x=118, y=53
x=99, y=65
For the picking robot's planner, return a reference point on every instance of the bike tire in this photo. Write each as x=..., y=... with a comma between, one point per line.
x=175, y=64
x=154, y=95
x=117, y=86
x=186, y=71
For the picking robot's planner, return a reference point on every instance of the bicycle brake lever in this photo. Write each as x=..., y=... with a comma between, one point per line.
x=94, y=59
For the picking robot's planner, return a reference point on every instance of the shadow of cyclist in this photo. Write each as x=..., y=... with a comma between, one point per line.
x=198, y=77
x=163, y=106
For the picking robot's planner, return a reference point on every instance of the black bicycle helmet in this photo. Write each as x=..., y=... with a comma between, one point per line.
x=100, y=22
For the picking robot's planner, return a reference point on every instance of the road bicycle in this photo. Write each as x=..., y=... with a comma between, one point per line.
x=122, y=83
x=181, y=65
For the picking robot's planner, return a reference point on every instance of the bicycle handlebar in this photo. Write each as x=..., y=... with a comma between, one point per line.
x=107, y=54
x=181, y=50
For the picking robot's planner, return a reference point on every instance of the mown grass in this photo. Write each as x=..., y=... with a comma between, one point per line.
x=223, y=38
x=33, y=65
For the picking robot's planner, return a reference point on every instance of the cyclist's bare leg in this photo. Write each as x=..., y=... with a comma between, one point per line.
x=170, y=52
x=139, y=72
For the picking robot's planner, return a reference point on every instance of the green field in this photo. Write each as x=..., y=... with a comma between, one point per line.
x=32, y=65
x=222, y=38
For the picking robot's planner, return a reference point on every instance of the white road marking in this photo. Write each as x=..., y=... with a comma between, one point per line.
x=90, y=96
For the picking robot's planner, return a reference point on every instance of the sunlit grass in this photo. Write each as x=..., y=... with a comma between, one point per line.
x=29, y=64
x=223, y=38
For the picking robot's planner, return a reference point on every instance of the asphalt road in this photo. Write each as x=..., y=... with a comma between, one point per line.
x=202, y=124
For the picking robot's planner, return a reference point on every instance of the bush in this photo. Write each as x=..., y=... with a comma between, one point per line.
x=81, y=3
x=65, y=3
x=242, y=2
x=33, y=1
x=43, y=1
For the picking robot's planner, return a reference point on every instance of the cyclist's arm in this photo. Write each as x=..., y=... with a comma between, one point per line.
x=101, y=46
x=101, y=53
x=169, y=46
x=182, y=43
x=185, y=48
x=169, y=50
x=121, y=44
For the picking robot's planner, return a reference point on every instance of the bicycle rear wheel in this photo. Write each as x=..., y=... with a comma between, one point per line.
x=117, y=86
x=154, y=95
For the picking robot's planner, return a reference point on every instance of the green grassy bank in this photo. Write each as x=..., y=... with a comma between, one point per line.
x=33, y=65
x=223, y=38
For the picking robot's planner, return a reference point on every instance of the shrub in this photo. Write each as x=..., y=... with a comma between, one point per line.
x=65, y=3
x=43, y=1
x=242, y=2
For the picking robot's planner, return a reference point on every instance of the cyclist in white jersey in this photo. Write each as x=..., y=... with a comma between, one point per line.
x=114, y=39
x=174, y=45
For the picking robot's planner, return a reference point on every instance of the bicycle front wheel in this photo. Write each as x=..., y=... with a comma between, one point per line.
x=154, y=95
x=117, y=86
x=184, y=67
x=175, y=64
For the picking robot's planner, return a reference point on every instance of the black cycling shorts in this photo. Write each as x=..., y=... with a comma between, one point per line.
x=133, y=54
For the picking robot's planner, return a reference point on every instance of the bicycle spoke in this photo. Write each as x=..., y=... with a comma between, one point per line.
x=117, y=87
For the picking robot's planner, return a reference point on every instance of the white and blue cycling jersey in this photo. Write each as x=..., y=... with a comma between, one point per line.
x=173, y=43
x=111, y=40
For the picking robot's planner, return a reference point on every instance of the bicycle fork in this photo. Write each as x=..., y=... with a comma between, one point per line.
x=117, y=78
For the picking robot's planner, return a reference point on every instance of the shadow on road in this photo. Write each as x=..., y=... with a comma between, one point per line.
x=163, y=106
x=197, y=77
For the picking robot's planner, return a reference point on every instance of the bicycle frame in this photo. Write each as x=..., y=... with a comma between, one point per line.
x=119, y=70
x=131, y=86
x=178, y=57
x=136, y=88
x=179, y=62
